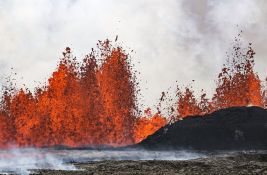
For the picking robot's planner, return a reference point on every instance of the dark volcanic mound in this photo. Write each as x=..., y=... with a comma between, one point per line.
x=237, y=128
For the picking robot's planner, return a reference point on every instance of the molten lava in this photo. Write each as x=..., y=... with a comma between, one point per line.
x=92, y=104
x=147, y=125
x=95, y=103
x=237, y=85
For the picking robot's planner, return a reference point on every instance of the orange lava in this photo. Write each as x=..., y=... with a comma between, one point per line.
x=237, y=85
x=91, y=104
x=94, y=103
x=147, y=125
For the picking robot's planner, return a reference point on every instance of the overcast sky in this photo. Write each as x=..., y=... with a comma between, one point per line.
x=174, y=40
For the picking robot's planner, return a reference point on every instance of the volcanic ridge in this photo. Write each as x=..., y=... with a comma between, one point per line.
x=236, y=128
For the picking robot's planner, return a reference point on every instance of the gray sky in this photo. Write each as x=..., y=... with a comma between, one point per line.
x=174, y=40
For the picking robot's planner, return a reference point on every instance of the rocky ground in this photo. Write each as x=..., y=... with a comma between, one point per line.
x=220, y=164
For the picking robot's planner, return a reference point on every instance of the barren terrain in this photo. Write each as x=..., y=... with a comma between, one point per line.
x=220, y=164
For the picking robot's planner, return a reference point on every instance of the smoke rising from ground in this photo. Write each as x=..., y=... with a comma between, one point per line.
x=22, y=161
x=173, y=40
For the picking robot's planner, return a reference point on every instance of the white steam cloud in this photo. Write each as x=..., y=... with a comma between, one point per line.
x=26, y=161
x=174, y=40
x=23, y=161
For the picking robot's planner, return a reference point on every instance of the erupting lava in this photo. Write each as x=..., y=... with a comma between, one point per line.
x=147, y=125
x=92, y=104
x=95, y=103
x=237, y=85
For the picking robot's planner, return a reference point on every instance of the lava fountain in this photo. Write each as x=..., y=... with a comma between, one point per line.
x=237, y=85
x=91, y=104
x=94, y=103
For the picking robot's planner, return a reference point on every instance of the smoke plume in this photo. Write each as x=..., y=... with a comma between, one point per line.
x=169, y=38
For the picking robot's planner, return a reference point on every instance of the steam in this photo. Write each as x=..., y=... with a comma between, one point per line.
x=25, y=161
x=22, y=161
x=169, y=37
x=99, y=155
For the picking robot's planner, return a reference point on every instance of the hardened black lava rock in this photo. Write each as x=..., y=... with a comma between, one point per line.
x=237, y=128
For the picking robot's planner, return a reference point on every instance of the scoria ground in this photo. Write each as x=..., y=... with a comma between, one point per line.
x=234, y=163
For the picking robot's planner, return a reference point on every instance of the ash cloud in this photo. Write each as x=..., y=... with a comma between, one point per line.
x=173, y=40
